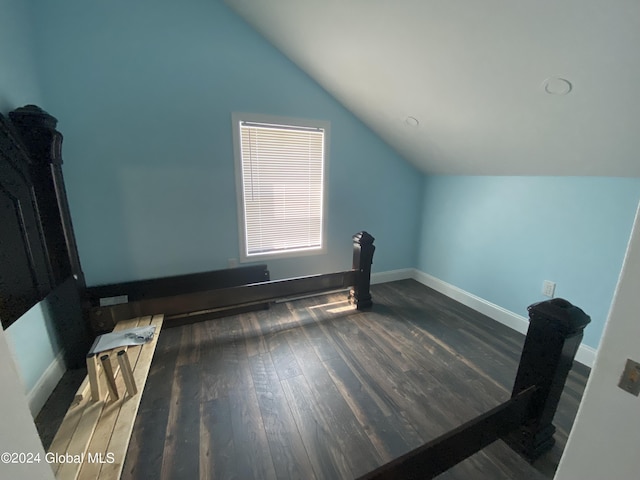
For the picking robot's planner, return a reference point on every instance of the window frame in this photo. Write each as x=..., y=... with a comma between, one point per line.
x=236, y=119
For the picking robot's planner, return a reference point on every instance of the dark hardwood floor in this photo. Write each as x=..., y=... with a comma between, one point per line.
x=314, y=389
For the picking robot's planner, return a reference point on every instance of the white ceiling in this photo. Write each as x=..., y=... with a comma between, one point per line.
x=472, y=73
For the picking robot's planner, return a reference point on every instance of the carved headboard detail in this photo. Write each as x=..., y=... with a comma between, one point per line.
x=37, y=245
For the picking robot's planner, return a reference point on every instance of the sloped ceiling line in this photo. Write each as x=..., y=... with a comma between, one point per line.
x=475, y=76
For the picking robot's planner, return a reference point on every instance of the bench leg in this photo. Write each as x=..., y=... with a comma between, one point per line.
x=127, y=373
x=94, y=381
x=108, y=374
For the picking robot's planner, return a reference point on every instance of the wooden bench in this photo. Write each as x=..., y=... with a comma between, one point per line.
x=93, y=438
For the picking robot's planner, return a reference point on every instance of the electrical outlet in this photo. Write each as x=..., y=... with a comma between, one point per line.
x=630, y=380
x=548, y=288
x=108, y=301
x=232, y=262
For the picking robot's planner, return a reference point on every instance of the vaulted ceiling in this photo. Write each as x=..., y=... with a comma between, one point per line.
x=493, y=87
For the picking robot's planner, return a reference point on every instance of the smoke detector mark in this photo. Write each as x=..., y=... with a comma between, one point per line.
x=557, y=86
x=412, y=122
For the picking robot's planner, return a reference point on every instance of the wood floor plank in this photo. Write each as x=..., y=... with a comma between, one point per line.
x=221, y=359
x=435, y=364
x=283, y=358
x=314, y=389
x=386, y=344
x=253, y=336
x=452, y=402
x=334, y=408
x=383, y=401
x=146, y=449
x=217, y=455
x=447, y=406
x=180, y=396
x=502, y=456
x=325, y=452
x=249, y=434
x=189, y=345
x=437, y=354
x=392, y=435
x=307, y=319
x=249, y=437
x=290, y=459
x=452, y=326
x=180, y=458
x=374, y=365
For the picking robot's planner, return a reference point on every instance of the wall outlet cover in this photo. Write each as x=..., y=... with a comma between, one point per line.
x=108, y=301
x=630, y=380
x=548, y=288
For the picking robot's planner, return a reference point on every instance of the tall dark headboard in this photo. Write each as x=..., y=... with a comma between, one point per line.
x=37, y=129
x=37, y=246
x=25, y=276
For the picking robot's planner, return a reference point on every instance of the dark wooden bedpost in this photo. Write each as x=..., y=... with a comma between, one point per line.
x=555, y=332
x=363, y=249
x=44, y=144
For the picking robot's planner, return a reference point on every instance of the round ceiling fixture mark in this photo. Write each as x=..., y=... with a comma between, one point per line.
x=412, y=121
x=557, y=86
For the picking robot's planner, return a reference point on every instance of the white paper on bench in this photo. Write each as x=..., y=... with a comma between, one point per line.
x=130, y=336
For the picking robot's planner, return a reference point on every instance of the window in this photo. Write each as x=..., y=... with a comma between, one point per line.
x=280, y=170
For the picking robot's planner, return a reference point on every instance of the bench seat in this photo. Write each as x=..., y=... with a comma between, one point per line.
x=93, y=438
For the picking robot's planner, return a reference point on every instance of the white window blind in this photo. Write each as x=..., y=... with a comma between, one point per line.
x=282, y=187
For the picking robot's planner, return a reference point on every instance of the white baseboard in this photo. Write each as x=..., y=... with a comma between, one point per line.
x=41, y=391
x=392, y=275
x=586, y=354
x=502, y=315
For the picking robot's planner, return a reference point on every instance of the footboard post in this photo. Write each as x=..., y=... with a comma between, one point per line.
x=554, y=335
x=363, y=249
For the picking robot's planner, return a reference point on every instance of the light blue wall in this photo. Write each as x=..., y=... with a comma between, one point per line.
x=18, y=78
x=144, y=93
x=30, y=337
x=500, y=237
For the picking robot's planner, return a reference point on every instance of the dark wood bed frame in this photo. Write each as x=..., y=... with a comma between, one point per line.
x=195, y=297
x=38, y=255
x=41, y=262
x=524, y=422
